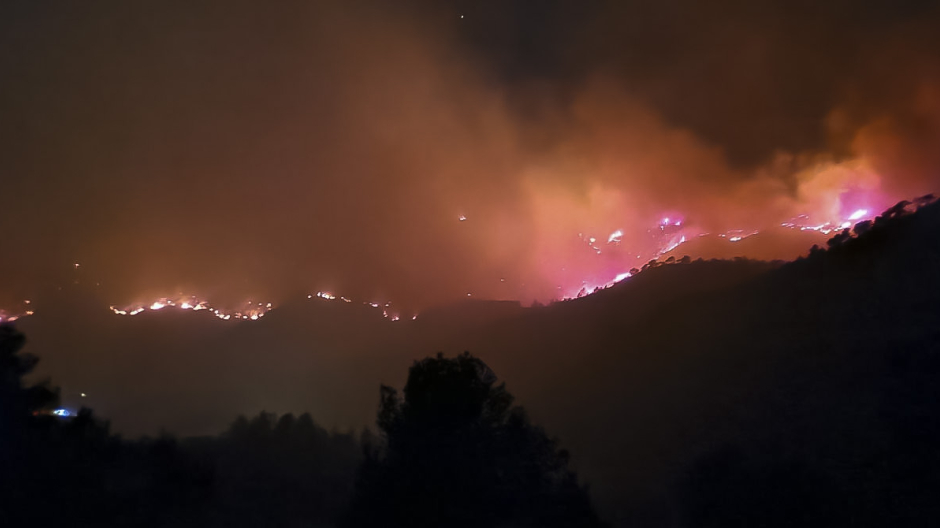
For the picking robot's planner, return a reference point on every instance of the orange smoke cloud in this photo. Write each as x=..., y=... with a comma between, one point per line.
x=374, y=150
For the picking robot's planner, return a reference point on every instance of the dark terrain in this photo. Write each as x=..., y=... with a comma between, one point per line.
x=706, y=393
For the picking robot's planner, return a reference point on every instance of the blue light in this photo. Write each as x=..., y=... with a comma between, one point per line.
x=61, y=412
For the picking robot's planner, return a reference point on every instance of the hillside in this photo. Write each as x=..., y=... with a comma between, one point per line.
x=820, y=370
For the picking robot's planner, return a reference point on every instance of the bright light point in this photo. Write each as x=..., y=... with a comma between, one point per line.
x=616, y=236
x=858, y=214
x=622, y=276
x=83, y=395
x=254, y=317
x=734, y=239
x=76, y=265
x=61, y=412
x=462, y=218
x=157, y=305
x=27, y=301
x=846, y=225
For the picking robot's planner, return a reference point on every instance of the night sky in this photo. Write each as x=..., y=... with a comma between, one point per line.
x=423, y=151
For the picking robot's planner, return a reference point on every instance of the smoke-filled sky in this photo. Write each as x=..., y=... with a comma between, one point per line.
x=420, y=151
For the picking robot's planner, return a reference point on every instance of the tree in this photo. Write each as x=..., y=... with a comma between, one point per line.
x=71, y=471
x=18, y=403
x=457, y=453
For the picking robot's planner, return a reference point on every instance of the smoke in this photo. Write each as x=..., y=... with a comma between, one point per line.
x=236, y=150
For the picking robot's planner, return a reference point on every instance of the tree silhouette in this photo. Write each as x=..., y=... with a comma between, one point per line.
x=457, y=453
x=18, y=403
x=74, y=472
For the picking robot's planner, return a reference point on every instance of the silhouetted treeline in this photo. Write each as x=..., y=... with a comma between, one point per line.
x=277, y=471
x=74, y=472
x=454, y=453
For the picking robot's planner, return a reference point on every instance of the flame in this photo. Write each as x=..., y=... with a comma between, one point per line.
x=9, y=318
x=672, y=231
x=596, y=267
x=859, y=214
x=251, y=311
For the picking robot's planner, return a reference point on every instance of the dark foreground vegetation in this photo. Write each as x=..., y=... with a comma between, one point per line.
x=698, y=394
x=454, y=452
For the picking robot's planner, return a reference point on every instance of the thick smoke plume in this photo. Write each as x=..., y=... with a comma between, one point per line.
x=402, y=151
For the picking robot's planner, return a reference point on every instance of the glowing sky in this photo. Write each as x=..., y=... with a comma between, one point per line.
x=424, y=151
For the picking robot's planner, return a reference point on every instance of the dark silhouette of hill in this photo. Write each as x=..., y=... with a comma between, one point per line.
x=676, y=390
x=815, y=360
x=470, y=312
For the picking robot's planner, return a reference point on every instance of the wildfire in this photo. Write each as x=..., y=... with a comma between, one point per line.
x=803, y=222
x=10, y=317
x=597, y=265
x=327, y=296
x=668, y=233
x=250, y=311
